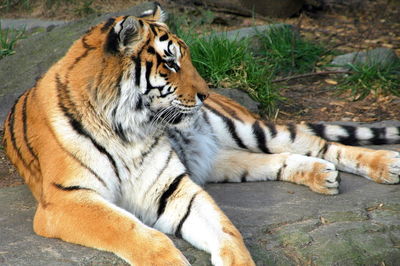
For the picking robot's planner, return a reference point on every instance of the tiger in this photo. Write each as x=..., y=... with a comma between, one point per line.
x=116, y=140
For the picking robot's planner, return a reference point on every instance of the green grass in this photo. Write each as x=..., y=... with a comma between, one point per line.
x=372, y=79
x=85, y=8
x=10, y=4
x=283, y=48
x=8, y=39
x=230, y=64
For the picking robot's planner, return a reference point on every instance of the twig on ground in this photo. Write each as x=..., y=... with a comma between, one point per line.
x=312, y=74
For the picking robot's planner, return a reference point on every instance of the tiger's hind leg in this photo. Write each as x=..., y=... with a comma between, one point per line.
x=381, y=166
x=240, y=166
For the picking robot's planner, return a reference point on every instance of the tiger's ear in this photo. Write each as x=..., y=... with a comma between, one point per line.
x=124, y=33
x=128, y=30
x=155, y=14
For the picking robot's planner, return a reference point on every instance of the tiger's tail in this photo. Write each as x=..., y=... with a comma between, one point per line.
x=354, y=135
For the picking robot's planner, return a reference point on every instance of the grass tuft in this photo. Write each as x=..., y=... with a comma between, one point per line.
x=8, y=39
x=374, y=79
x=230, y=64
x=7, y=5
x=282, y=47
x=85, y=8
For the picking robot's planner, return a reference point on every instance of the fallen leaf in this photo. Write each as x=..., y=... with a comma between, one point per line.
x=331, y=81
x=339, y=103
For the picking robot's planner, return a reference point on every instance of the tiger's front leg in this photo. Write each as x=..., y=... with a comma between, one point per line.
x=81, y=216
x=189, y=212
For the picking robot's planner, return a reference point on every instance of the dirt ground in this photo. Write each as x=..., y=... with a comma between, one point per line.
x=372, y=24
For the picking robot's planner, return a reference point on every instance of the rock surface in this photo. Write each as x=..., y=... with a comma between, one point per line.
x=241, y=97
x=30, y=24
x=379, y=56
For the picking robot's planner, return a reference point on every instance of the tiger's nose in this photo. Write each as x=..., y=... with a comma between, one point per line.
x=202, y=96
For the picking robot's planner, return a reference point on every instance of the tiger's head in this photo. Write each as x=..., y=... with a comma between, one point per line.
x=157, y=83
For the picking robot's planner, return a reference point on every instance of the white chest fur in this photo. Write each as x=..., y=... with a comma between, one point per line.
x=196, y=147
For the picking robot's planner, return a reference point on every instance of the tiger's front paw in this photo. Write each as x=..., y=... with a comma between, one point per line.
x=160, y=251
x=232, y=255
x=381, y=166
x=324, y=178
x=319, y=175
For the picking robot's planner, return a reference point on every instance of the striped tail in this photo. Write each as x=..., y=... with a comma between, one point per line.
x=354, y=135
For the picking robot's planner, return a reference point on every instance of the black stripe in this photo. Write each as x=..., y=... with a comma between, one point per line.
x=351, y=138
x=160, y=60
x=171, y=189
x=292, y=130
x=321, y=153
x=272, y=129
x=205, y=116
x=167, y=53
x=183, y=137
x=169, y=44
x=120, y=132
x=70, y=188
x=153, y=29
x=164, y=37
x=231, y=126
x=111, y=46
x=63, y=95
x=144, y=154
x=77, y=126
x=279, y=174
x=227, y=109
x=243, y=178
x=79, y=58
x=149, y=65
x=178, y=231
x=25, y=126
x=165, y=164
x=379, y=136
x=338, y=155
x=179, y=150
x=11, y=124
x=260, y=137
x=318, y=129
x=139, y=104
x=107, y=25
x=138, y=69
x=82, y=164
x=151, y=50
